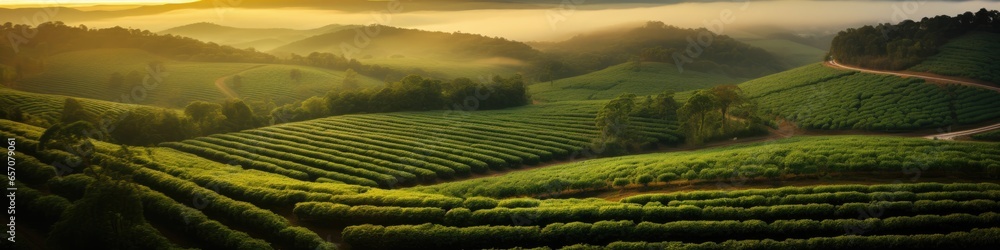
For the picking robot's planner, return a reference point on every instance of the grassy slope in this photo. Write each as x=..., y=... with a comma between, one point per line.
x=75, y=74
x=273, y=82
x=616, y=80
x=818, y=97
x=792, y=53
x=974, y=55
x=49, y=107
x=795, y=155
x=413, y=147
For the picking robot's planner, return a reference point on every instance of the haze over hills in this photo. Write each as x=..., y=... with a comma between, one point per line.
x=450, y=124
x=257, y=38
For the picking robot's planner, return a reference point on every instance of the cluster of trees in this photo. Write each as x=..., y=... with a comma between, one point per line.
x=617, y=135
x=719, y=112
x=412, y=93
x=604, y=232
x=149, y=125
x=903, y=45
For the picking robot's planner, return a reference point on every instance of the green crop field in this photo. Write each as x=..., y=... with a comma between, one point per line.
x=49, y=107
x=407, y=148
x=274, y=82
x=654, y=78
x=973, y=55
x=796, y=156
x=818, y=97
x=75, y=74
x=189, y=201
x=988, y=136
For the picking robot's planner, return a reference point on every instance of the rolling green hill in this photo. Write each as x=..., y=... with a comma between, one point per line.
x=49, y=107
x=441, y=54
x=819, y=97
x=246, y=207
x=75, y=74
x=972, y=55
x=798, y=156
x=652, y=79
x=414, y=147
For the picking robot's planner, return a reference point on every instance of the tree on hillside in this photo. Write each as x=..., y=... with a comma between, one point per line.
x=661, y=106
x=614, y=124
x=63, y=134
x=694, y=112
x=148, y=126
x=727, y=96
x=239, y=116
x=73, y=111
x=206, y=116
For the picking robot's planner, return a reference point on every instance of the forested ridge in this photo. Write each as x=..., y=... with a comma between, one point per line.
x=905, y=44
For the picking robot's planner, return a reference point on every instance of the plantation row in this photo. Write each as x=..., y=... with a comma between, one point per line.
x=207, y=220
x=974, y=239
x=880, y=102
x=408, y=148
x=988, y=136
x=800, y=156
x=563, y=234
x=791, y=79
x=321, y=212
x=871, y=190
x=970, y=56
x=49, y=107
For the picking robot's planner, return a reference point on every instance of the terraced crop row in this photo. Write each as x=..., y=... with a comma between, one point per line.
x=881, y=102
x=167, y=198
x=387, y=150
x=800, y=156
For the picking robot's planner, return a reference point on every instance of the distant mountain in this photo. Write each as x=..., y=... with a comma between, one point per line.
x=387, y=41
x=260, y=39
x=695, y=49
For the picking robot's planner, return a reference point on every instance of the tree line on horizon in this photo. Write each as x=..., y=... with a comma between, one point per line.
x=903, y=45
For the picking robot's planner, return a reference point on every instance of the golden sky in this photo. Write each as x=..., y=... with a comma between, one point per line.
x=88, y=2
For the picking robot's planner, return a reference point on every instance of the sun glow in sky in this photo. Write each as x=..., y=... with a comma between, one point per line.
x=88, y=2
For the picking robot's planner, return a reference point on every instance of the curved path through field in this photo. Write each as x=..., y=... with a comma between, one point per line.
x=933, y=78
x=230, y=93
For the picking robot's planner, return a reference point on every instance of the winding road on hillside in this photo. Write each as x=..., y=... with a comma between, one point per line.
x=933, y=78
x=230, y=93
